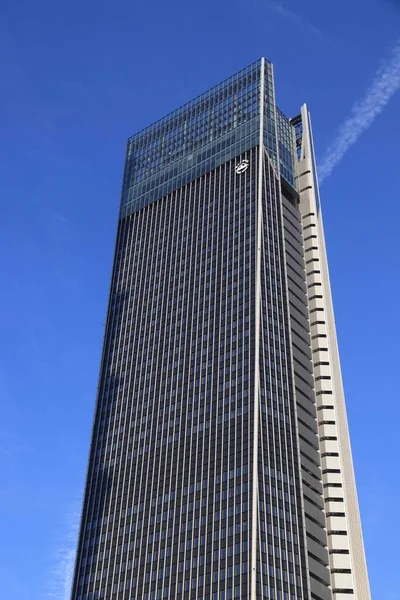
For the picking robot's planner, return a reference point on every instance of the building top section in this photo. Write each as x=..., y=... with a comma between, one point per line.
x=206, y=132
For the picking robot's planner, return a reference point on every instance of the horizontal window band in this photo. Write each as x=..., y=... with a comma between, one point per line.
x=304, y=173
x=315, y=539
x=317, y=559
x=330, y=454
x=347, y=571
x=306, y=426
x=308, y=262
x=334, y=499
x=301, y=351
x=310, y=500
x=319, y=579
x=314, y=284
x=310, y=459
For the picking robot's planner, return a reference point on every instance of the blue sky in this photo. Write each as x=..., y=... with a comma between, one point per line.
x=77, y=78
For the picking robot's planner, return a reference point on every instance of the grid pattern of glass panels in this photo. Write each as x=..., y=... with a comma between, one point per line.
x=270, y=129
x=287, y=152
x=297, y=124
x=203, y=134
x=167, y=509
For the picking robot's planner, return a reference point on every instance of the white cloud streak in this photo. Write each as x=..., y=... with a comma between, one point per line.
x=61, y=573
x=295, y=18
x=384, y=85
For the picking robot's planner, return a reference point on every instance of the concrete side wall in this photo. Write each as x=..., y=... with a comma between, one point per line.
x=310, y=461
x=345, y=544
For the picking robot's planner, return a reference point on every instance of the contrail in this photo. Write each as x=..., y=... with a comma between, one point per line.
x=386, y=82
x=296, y=19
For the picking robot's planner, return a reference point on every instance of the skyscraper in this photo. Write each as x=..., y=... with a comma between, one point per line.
x=220, y=464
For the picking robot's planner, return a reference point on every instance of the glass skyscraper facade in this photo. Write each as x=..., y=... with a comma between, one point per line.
x=220, y=465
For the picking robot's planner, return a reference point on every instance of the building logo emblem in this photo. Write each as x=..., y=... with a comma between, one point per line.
x=242, y=167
